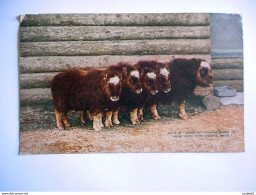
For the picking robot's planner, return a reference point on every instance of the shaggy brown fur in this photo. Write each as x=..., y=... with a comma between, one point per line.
x=94, y=91
x=185, y=75
x=153, y=88
x=131, y=91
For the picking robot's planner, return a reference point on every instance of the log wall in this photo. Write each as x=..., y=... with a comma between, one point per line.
x=227, y=50
x=51, y=43
x=228, y=72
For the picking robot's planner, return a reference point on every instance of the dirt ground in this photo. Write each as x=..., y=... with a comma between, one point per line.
x=216, y=131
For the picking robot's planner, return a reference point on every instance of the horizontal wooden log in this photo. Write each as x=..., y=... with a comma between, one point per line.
x=125, y=47
x=42, y=80
x=92, y=33
x=35, y=96
x=226, y=53
x=36, y=80
x=236, y=84
x=228, y=74
x=62, y=63
x=227, y=63
x=150, y=19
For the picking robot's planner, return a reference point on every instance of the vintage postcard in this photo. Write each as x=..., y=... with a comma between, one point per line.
x=112, y=83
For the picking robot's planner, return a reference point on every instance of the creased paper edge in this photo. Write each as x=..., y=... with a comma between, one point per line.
x=21, y=17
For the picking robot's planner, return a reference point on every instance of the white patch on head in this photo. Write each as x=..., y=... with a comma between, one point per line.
x=114, y=80
x=114, y=98
x=205, y=65
x=151, y=75
x=135, y=73
x=167, y=90
x=138, y=91
x=164, y=71
x=154, y=92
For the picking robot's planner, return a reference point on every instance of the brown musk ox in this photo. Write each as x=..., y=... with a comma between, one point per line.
x=131, y=95
x=94, y=91
x=156, y=83
x=185, y=75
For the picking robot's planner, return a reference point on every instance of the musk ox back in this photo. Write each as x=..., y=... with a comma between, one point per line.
x=131, y=91
x=155, y=83
x=93, y=91
x=185, y=75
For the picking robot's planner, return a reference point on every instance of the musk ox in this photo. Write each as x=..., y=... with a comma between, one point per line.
x=156, y=83
x=131, y=95
x=185, y=75
x=94, y=91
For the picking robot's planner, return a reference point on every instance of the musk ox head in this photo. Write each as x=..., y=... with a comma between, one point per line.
x=134, y=81
x=149, y=79
x=113, y=83
x=131, y=77
x=193, y=71
x=204, y=75
x=163, y=80
x=154, y=76
x=150, y=82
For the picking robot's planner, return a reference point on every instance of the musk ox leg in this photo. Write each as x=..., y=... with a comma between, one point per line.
x=96, y=122
x=140, y=114
x=101, y=124
x=89, y=115
x=115, y=117
x=108, y=121
x=66, y=121
x=83, y=117
x=154, y=112
x=182, y=112
x=134, y=116
x=59, y=120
